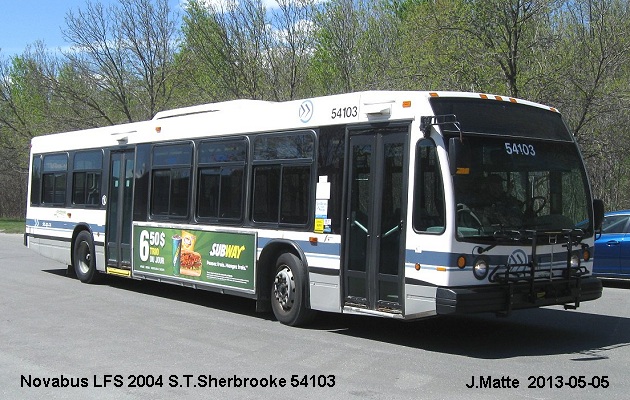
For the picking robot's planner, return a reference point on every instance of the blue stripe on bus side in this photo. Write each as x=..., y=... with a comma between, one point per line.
x=63, y=225
x=450, y=259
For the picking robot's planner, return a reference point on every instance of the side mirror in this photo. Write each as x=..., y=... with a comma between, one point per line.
x=459, y=156
x=598, y=214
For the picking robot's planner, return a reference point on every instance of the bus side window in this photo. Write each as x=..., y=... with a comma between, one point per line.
x=295, y=193
x=330, y=158
x=221, y=178
x=54, y=179
x=170, y=183
x=86, y=179
x=266, y=193
x=428, y=208
x=36, y=180
x=282, y=175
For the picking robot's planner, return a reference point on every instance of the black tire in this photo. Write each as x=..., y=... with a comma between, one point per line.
x=84, y=258
x=288, y=292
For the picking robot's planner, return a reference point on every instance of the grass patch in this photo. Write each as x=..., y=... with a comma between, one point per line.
x=11, y=225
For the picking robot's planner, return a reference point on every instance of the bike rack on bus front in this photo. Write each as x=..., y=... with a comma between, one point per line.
x=530, y=272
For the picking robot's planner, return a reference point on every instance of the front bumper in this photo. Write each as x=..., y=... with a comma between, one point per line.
x=503, y=298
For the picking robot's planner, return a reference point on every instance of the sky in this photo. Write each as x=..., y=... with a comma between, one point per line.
x=24, y=22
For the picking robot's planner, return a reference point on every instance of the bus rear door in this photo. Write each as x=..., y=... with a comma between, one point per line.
x=119, y=212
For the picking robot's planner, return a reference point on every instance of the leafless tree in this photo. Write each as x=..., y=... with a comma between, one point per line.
x=124, y=53
x=289, y=45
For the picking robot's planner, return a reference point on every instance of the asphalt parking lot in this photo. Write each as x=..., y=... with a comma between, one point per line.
x=125, y=339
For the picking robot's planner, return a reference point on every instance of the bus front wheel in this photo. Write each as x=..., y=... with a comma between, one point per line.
x=288, y=292
x=84, y=258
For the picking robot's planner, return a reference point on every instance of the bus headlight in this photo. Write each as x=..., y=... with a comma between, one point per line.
x=480, y=269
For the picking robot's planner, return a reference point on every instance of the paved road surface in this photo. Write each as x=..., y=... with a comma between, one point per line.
x=173, y=342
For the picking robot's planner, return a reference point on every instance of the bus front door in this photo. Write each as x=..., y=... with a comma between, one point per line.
x=119, y=211
x=374, y=232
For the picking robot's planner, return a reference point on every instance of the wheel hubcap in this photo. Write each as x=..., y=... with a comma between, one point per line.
x=284, y=288
x=84, y=258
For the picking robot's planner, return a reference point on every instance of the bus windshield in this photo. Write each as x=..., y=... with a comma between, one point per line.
x=516, y=184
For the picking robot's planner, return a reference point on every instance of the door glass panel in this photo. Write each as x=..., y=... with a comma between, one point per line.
x=356, y=287
x=388, y=291
x=126, y=211
x=112, y=220
x=360, y=208
x=391, y=219
x=390, y=210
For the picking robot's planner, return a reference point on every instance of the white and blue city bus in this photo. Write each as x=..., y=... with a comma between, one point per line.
x=391, y=204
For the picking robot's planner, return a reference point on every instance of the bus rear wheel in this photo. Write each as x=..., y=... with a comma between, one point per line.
x=288, y=292
x=84, y=258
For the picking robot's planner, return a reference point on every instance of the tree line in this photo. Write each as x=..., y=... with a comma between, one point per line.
x=128, y=60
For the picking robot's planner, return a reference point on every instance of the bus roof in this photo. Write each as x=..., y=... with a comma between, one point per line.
x=251, y=116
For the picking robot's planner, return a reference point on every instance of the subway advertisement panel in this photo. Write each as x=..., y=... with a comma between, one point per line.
x=219, y=258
